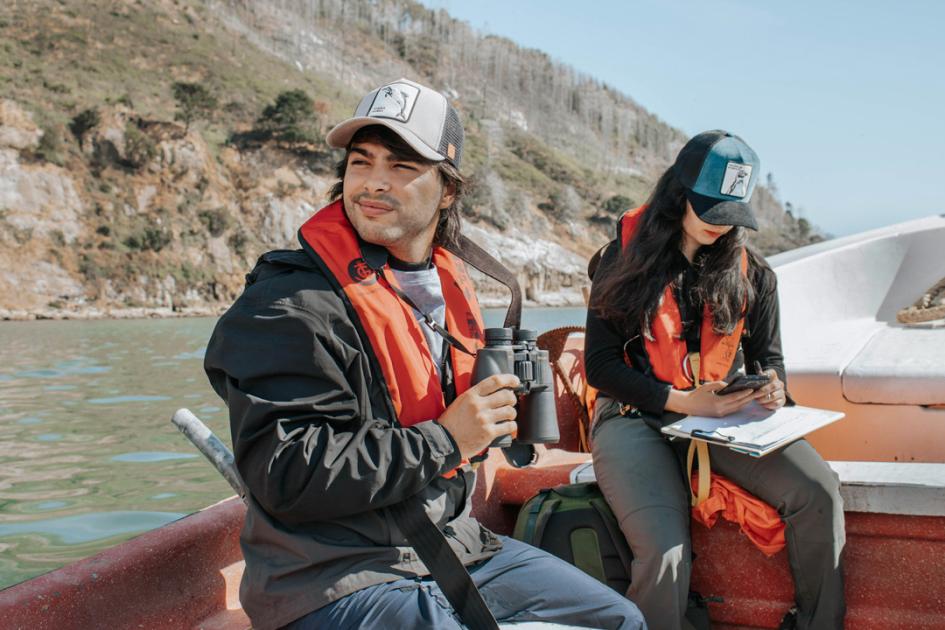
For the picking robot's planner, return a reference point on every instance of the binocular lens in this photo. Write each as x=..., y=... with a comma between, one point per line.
x=498, y=336
x=523, y=335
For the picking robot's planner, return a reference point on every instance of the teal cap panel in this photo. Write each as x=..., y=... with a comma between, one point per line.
x=729, y=172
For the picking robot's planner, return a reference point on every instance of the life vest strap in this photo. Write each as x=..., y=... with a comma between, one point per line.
x=701, y=448
x=428, y=319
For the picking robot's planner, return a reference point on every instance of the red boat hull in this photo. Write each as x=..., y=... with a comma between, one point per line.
x=186, y=574
x=183, y=575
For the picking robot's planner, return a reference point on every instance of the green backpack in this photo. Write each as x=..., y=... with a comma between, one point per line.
x=575, y=523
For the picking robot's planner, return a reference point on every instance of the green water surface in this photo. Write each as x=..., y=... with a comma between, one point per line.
x=88, y=456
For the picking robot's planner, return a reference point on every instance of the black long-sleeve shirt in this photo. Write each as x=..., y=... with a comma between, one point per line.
x=604, y=341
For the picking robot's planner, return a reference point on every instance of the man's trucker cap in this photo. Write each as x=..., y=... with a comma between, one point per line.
x=719, y=172
x=421, y=116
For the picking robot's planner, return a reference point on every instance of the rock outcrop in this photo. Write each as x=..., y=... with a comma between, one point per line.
x=115, y=202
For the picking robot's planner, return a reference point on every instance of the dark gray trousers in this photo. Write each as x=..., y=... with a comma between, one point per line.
x=641, y=475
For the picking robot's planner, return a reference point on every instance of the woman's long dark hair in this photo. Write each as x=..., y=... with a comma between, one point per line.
x=628, y=292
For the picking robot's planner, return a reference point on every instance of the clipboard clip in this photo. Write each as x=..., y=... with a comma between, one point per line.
x=708, y=437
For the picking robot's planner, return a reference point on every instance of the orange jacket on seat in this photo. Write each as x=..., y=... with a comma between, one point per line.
x=756, y=519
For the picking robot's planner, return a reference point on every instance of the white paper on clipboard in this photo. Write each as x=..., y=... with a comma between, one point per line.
x=755, y=429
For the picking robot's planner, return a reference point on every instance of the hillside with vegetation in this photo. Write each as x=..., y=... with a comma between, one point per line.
x=150, y=151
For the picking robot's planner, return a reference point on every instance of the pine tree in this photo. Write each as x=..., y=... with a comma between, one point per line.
x=194, y=102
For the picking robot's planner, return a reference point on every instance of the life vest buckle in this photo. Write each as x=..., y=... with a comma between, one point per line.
x=693, y=363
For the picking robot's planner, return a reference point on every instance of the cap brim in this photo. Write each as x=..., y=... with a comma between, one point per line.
x=722, y=211
x=341, y=135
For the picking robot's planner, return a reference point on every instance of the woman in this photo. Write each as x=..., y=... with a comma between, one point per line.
x=677, y=300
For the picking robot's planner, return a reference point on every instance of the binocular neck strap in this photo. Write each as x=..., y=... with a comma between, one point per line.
x=427, y=318
x=479, y=258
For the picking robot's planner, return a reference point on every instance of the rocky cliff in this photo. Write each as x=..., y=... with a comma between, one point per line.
x=114, y=201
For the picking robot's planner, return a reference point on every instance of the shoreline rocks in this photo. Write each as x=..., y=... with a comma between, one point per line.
x=94, y=313
x=556, y=299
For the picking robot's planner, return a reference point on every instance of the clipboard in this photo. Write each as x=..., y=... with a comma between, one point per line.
x=754, y=430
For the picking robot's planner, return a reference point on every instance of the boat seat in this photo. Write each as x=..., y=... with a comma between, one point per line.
x=907, y=488
x=898, y=366
x=565, y=348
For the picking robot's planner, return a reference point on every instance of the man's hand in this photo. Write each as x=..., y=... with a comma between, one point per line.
x=771, y=396
x=703, y=401
x=482, y=413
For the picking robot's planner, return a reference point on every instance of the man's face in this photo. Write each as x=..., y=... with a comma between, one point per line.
x=393, y=203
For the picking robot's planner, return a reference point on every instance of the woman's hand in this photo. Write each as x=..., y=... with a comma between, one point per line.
x=772, y=396
x=703, y=401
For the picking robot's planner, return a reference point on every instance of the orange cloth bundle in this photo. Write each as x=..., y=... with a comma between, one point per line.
x=590, y=401
x=757, y=520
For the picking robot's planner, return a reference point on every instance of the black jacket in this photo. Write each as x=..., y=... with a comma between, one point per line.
x=604, y=341
x=317, y=447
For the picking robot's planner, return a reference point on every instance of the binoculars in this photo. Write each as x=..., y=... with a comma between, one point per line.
x=513, y=351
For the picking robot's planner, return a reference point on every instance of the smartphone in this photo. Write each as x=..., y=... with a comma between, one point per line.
x=743, y=382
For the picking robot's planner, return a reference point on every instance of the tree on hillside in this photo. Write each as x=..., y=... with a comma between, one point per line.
x=618, y=204
x=194, y=102
x=292, y=118
x=564, y=204
x=83, y=122
x=803, y=229
x=487, y=199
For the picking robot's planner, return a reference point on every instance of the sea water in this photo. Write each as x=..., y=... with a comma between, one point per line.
x=88, y=456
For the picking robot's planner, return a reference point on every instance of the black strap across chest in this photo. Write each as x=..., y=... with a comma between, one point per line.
x=445, y=567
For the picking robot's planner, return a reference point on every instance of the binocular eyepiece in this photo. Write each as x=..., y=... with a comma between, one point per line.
x=513, y=351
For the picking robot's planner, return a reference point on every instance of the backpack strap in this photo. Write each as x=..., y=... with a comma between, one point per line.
x=613, y=528
x=525, y=528
x=538, y=517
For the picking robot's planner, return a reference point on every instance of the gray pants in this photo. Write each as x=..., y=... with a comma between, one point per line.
x=641, y=475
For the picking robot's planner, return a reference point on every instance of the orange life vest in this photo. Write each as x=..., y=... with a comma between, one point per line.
x=391, y=328
x=665, y=346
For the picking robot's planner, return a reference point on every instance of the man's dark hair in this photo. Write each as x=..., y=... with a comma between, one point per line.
x=448, y=228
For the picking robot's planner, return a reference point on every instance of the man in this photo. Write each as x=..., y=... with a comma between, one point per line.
x=346, y=369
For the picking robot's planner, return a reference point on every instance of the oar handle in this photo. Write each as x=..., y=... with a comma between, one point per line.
x=212, y=448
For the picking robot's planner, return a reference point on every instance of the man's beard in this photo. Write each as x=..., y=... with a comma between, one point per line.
x=403, y=231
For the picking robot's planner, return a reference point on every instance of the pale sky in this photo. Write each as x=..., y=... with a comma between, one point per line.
x=842, y=100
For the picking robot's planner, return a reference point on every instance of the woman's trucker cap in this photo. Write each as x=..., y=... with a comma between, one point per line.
x=719, y=172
